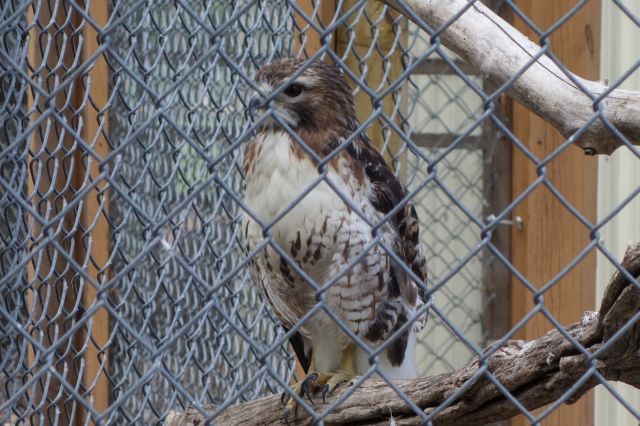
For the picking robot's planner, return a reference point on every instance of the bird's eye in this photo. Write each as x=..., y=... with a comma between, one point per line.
x=293, y=90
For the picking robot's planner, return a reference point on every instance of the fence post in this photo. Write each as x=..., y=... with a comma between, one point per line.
x=52, y=291
x=93, y=239
x=552, y=236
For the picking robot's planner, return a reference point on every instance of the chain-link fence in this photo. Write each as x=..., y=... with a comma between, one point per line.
x=126, y=287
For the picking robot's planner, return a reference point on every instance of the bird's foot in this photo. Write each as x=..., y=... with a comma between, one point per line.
x=328, y=382
x=333, y=380
x=301, y=389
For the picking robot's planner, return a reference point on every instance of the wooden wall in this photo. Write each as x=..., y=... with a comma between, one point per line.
x=552, y=237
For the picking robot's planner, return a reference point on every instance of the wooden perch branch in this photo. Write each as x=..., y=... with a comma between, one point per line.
x=499, y=51
x=536, y=372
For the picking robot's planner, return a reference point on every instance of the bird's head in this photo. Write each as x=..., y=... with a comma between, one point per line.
x=315, y=98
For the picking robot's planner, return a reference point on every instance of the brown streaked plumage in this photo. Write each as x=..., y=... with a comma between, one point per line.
x=323, y=234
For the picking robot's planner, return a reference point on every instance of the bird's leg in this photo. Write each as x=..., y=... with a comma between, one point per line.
x=301, y=388
x=346, y=372
x=329, y=381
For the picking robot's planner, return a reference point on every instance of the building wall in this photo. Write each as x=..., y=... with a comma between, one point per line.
x=619, y=176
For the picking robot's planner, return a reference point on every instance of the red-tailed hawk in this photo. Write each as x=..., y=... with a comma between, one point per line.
x=343, y=212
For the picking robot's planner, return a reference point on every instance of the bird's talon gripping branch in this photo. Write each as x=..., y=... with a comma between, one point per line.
x=306, y=384
x=301, y=389
x=346, y=373
x=334, y=379
x=325, y=391
x=286, y=415
x=328, y=381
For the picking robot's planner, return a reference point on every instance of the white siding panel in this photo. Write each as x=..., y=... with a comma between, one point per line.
x=619, y=176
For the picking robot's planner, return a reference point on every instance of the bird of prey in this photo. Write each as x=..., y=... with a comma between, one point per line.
x=336, y=217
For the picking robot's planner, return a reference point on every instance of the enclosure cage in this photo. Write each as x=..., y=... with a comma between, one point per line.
x=125, y=290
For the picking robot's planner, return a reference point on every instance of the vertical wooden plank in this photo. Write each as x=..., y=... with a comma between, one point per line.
x=308, y=40
x=377, y=55
x=32, y=305
x=93, y=238
x=53, y=294
x=552, y=237
x=32, y=56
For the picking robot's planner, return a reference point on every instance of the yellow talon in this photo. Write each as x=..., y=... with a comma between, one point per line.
x=333, y=382
x=329, y=381
x=345, y=373
x=301, y=388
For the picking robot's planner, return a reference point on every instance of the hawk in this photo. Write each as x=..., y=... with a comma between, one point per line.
x=338, y=219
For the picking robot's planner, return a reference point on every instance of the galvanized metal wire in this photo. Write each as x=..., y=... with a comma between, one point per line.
x=185, y=324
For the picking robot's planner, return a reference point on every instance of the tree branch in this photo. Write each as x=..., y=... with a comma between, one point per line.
x=536, y=372
x=499, y=52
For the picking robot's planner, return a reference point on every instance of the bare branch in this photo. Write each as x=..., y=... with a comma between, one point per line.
x=536, y=372
x=499, y=52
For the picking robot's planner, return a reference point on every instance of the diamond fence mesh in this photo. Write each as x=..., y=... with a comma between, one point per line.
x=126, y=291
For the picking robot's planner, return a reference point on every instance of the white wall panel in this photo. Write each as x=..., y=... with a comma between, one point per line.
x=619, y=176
